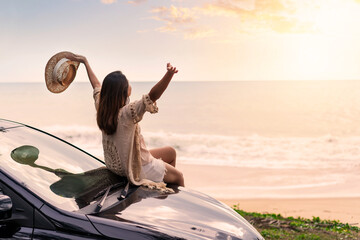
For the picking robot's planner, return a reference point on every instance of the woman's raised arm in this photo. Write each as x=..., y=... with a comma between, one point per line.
x=159, y=88
x=92, y=77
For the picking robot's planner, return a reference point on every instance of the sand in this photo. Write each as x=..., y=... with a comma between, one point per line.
x=252, y=190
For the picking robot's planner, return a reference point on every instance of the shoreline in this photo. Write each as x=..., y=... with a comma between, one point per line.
x=226, y=182
x=252, y=190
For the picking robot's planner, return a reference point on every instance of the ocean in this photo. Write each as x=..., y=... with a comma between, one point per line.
x=284, y=126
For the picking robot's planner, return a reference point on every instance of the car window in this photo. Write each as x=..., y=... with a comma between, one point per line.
x=59, y=173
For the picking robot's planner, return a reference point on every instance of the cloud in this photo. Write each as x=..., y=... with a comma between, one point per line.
x=220, y=19
x=167, y=28
x=250, y=16
x=136, y=1
x=236, y=7
x=108, y=1
x=227, y=8
x=180, y=20
x=174, y=15
x=176, y=19
x=197, y=33
x=220, y=10
x=277, y=15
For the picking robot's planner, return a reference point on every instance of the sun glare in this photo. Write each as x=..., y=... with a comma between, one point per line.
x=333, y=25
x=312, y=59
x=336, y=18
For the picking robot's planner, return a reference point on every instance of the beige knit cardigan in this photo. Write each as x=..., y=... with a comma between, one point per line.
x=122, y=149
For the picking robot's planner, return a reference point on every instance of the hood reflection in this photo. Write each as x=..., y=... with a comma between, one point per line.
x=135, y=195
x=81, y=186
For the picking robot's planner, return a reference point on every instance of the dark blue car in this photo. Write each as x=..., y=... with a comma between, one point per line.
x=50, y=189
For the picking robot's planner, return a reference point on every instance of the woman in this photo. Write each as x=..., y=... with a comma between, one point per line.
x=125, y=151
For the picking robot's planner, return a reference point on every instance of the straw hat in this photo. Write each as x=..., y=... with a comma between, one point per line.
x=60, y=72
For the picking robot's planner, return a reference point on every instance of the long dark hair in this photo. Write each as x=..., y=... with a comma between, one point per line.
x=113, y=95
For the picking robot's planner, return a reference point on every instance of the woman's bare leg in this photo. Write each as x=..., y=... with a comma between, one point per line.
x=173, y=175
x=167, y=154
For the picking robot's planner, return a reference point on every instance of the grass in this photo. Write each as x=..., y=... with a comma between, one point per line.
x=275, y=226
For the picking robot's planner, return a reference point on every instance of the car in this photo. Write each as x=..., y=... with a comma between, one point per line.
x=51, y=189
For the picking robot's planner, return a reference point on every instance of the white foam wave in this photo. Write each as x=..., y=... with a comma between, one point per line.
x=87, y=138
x=253, y=151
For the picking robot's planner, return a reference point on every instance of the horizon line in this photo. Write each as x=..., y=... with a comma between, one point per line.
x=187, y=81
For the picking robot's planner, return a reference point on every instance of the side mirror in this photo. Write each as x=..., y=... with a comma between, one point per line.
x=5, y=207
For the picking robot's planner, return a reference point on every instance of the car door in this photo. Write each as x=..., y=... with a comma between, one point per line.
x=20, y=224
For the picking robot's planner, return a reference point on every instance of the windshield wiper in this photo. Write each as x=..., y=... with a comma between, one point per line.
x=3, y=129
x=106, y=193
x=124, y=192
x=102, y=200
x=102, y=192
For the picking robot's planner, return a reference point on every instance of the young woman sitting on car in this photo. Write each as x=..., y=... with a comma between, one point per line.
x=124, y=147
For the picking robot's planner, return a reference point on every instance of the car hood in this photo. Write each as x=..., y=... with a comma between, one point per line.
x=185, y=214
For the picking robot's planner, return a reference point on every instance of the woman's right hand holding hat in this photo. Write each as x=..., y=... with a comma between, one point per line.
x=75, y=57
x=79, y=58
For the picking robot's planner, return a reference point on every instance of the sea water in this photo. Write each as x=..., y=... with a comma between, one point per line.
x=279, y=125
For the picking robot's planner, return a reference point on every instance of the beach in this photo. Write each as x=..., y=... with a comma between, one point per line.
x=280, y=147
x=223, y=183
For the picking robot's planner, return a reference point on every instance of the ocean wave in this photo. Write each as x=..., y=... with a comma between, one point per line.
x=254, y=151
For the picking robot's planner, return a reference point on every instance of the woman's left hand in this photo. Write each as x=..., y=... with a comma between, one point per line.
x=171, y=69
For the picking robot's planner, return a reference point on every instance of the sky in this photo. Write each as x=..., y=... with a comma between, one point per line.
x=214, y=40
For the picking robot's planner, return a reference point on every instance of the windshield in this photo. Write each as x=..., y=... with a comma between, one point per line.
x=59, y=173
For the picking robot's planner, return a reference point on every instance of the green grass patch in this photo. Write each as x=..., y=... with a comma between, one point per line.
x=275, y=226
